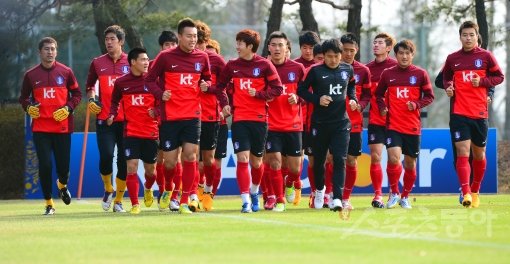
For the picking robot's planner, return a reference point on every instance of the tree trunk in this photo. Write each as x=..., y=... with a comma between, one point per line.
x=133, y=39
x=102, y=20
x=354, y=21
x=274, y=21
x=481, y=19
x=306, y=15
x=506, y=132
x=250, y=13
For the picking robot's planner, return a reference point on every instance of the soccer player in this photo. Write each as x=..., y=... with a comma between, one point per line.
x=210, y=116
x=106, y=68
x=255, y=81
x=331, y=82
x=49, y=94
x=141, y=132
x=467, y=75
x=362, y=78
x=381, y=46
x=184, y=71
x=167, y=40
x=285, y=124
x=407, y=89
x=307, y=40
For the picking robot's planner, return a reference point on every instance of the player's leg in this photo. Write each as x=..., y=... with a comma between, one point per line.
x=42, y=142
x=478, y=147
x=61, y=145
x=394, y=166
x=339, y=145
x=376, y=139
x=106, y=146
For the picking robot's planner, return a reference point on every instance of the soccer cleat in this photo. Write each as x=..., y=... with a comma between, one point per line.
x=346, y=204
x=404, y=203
x=476, y=200
x=254, y=202
x=377, y=202
x=65, y=195
x=135, y=209
x=467, y=200
x=297, y=198
x=290, y=194
x=174, y=205
x=393, y=200
x=461, y=196
x=246, y=208
x=194, y=206
x=270, y=203
x=207, y=201
x=280, y=207
x=117, y=208
x=49, y=210
x=159, y=200
x=200, y=191
x=165, y=199
x=106, y=203
x=184, y=209
x=319, y=199
x=148, y=197
x=311, y=201
x=336, y=205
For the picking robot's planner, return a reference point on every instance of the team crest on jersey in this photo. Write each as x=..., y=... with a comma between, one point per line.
x=145, y=88
x=60, y=80
x=412, y=80
x=457, y=134
x=388, y=141
x=268, y=145
x=127, y=152
x=478, y=63
x=356, y=77
x=256, y=72
x=168, y=144
x=125, y=69
x=344, y=75
x=198, y=66
x=292, y=76
x=236, y=145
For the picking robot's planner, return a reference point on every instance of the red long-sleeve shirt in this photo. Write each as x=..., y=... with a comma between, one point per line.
x=209, y=101
x=53, y=88
x=362, y=77
x=376, y=68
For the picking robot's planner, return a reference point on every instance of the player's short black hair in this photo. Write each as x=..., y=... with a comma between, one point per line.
x=277, y=34
x=47, y=40
x=332, y=44
x=117, y=30
x=134, y=53
x=317, y=49
x=183, y=23
x=405, y=44
x=469, y=24
x=167, y=36
x=309, y=37
x=349, y=38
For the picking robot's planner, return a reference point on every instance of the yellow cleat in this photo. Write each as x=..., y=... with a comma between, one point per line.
x=207, y=202
x=135, y=209
x=297, y=197
x=148, y=197
x=476, y=200
x=184, y=209
x=164, y=202
x=194, y=206
x=467, y=200
x=200, y=191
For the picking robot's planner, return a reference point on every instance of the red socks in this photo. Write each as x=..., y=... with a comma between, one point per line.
x=479, y=167
x=328, y=180
x=243, y=177
x=277, y=183
x=409, y=179
x=209, y=172
x=394, y=171
x=160, y=177
x=256, y=174
x=149, y=181
x=169, y=176
x=133, y=186
x=351, y=173
x=188, y=177
x=216, y=180
x=463, y=172
x=376, y=175
x=311, y=179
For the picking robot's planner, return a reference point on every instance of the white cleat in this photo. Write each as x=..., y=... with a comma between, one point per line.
x=106, y=203
x=346, y=204
x=336, y=205
x=319, y=198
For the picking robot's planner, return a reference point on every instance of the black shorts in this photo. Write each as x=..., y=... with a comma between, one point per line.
x=249, y=135
x=307, y=143
x=355, y=144
x=209, y=135
x=376, y=134
x=141, y=148
x=410, y=144
x=173, y=134
x=287, y=143
x=221, y=148
x=465, y=128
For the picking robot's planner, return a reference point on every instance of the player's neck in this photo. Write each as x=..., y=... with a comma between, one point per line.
x=248, y=56
x=136, y=72
x=381, y=57
x=115, y=55
x=278, y=61
x=47, y=65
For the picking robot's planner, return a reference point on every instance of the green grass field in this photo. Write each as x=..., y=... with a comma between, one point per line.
x=436, y=230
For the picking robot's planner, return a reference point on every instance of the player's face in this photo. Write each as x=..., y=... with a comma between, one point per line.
x=202, y=46
x=332, y=59
x=141, y=64
x=307, y=52
x=168, y=45
x=349, y=52
x=188, y=39
x=468, y=38
x=112, y=43
x=278, y=49
x=243, y=50
x=379, y=47
x=404, y=57
x=48, y=53
x=319, y=58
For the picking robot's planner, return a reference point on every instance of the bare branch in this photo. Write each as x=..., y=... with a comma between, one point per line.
x=291, y=3
x=331, y=3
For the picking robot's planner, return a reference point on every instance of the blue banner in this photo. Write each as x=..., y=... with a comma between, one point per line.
x=435, y=168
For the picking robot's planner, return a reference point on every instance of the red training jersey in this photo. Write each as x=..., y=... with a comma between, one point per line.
x=376, y=68
x=181, y=73
x=52, y=88
x=401, y=86
x=459, y=68
x=362, y=78
x=257, y=73
x=306, y=108
x=284, y=117
x=136, y=99
x=209, y=101
x=104, y=69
